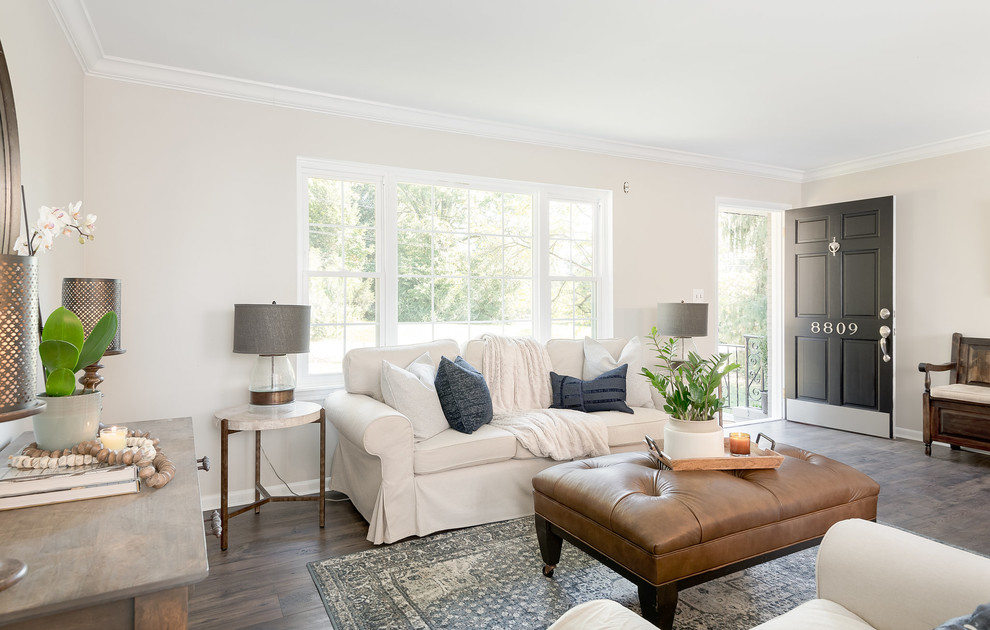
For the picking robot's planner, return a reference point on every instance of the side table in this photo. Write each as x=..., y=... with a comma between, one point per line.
x=260, y=418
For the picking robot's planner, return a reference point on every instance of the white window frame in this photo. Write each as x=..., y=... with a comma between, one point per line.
x=386, y=199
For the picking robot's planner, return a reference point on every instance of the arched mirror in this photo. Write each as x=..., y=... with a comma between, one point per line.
x=10, y=164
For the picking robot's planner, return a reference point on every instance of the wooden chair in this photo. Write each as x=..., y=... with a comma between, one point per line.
x=959, y=413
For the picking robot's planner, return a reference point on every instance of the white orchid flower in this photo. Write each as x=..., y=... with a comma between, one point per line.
x=46, y=240
x=60, y=218
x=88, y=226
x=53, y=222
x=21, y=246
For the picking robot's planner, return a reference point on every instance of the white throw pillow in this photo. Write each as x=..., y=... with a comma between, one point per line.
x=411, y=392
x=598, y=360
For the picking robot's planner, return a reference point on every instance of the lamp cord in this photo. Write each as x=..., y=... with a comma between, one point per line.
x=286, y=483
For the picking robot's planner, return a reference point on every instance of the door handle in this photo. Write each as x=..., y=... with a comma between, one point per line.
x=884, y=313
x=884, y=333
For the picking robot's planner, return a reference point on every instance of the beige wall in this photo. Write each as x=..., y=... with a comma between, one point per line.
x=47, y=84
x=942, y=268
x=197, y=202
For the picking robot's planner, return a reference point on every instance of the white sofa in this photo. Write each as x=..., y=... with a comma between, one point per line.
x=868, y=576
x=407, y=488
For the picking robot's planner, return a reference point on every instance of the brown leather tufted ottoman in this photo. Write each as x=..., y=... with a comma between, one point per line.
x=666, y=531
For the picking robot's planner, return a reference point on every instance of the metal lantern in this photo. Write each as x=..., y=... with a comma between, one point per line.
x=18, y=337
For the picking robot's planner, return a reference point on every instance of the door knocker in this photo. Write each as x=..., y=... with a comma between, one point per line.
x=833, y=246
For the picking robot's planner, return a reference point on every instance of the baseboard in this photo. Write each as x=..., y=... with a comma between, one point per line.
x=244, y=497
x=908, y=434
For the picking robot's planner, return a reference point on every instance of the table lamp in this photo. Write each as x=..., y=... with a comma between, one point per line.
x=90, y=299
x=271, y=331
x=677, y=319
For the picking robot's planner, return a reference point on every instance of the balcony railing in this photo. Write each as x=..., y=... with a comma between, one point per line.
x=746, y=387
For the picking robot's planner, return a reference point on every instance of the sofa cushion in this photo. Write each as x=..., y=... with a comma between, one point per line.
x=605, y=392
x=979, y=394
x=598, y=359
x=411, y=392
x=625, y=430
x=463, y=394
x=818, y=614
x=363, y=366
x=601, y=614
x=452, y=449
x=567, y=355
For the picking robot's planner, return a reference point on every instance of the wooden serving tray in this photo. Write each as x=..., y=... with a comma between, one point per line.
x=757, y=458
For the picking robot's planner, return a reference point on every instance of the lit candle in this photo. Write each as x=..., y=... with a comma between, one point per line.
x=739, y=443
x=113, y=438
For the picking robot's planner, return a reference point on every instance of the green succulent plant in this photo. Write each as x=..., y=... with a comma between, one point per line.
x=689, y=387
x=65, y=349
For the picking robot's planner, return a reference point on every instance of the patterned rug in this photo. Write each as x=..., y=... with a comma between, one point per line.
x=489, y=577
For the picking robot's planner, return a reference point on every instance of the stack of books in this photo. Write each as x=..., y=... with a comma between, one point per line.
x=25, y=488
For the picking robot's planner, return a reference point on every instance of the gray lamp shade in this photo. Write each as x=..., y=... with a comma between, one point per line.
x=92, y=298
x=678, y=319
x=271, y=328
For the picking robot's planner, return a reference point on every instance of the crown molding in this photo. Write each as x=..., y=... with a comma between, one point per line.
x=78, y=27
x=902, y=156
x=75, y=21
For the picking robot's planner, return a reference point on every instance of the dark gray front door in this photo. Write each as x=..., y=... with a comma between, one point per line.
x=838, y=324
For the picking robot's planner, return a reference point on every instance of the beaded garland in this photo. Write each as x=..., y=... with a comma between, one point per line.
x=155, y=469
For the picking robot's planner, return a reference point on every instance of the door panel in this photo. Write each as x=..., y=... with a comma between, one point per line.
x=859, y=373
x=812, y=230
x=859, y=225
x=811, y=287
x=839, y=277
x=812, y=368
x=859, y=284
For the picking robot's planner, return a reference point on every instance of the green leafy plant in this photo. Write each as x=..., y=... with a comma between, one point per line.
x=65, y=349
x=689, y=387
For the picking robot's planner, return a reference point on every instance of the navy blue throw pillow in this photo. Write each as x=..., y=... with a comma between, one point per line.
x=464, y=395
x=606, y=392
x=979, y=620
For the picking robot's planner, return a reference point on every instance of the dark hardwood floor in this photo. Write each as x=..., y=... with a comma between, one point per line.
x=261, y=581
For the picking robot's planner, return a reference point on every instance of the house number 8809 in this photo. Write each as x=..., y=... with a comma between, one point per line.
x=841, y=328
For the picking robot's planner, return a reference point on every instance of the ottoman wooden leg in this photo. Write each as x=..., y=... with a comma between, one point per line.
x=550, y=544
x=659, y=604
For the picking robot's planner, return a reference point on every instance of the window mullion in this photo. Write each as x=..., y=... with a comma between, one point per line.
x=541, y=266
x=388, y=260
x=602, y=262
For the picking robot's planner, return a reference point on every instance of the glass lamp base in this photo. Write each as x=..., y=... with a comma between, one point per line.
x=272, y=380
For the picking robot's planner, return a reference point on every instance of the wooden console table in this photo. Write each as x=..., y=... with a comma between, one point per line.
x=115, y=562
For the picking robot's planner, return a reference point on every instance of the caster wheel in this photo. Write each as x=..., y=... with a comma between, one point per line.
x=548, y=570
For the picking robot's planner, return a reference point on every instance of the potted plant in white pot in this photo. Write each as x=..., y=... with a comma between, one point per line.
x=70, y=416
x=691, y=397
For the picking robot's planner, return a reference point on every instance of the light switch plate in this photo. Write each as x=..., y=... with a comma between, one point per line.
x=699, y=295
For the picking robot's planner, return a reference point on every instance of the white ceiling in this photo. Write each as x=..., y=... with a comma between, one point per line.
x=786, y=88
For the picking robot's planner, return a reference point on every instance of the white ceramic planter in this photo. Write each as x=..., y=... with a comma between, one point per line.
x=68, y=420
x=686, y=439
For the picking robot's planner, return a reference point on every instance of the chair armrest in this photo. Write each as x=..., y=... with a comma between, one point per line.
x=898, y=580
x=369, y=423
x=928, y=368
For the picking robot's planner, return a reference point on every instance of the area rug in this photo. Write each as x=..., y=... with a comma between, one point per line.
x=489, y=577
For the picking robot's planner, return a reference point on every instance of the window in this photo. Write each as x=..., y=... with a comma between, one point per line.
x=391, y=256
x=465, y=262
x=342, y=278
x=572, y=269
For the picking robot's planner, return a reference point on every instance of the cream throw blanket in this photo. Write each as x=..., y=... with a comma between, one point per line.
x=517, y=370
